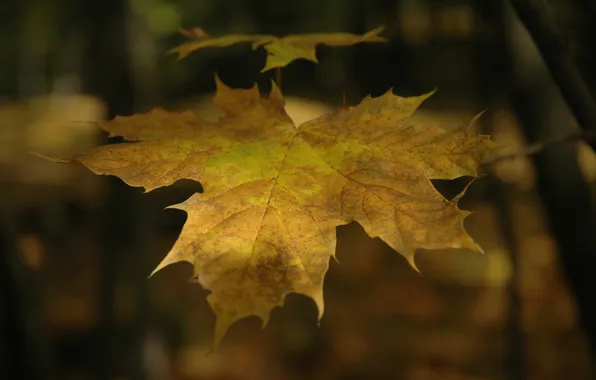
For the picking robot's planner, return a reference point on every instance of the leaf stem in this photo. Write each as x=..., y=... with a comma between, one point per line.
x=278, y=78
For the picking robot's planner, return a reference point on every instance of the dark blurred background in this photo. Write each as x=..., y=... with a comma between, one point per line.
x=76, y=249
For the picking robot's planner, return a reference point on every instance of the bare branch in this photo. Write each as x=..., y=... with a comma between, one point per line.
x=540, y=23
x=532, y=149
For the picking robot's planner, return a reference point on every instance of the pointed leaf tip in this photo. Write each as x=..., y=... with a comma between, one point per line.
x=219, y=84
x=375, y=31
x=276, y=97
x=51, y=158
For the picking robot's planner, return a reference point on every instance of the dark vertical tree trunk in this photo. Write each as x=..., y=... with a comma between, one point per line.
x=493, y=57
x=565, y=194
x=108, y=75
x=24, y=350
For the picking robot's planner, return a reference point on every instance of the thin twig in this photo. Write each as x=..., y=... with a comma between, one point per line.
x=532, y=149
x=540, y=23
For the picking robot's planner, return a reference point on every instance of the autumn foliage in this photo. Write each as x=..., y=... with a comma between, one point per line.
x=274, y=193
x=281, y=51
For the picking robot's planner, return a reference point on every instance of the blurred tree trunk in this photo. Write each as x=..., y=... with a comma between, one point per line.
x=24, y=350
x=493, y=56
x=565, y=194
x=109, y=76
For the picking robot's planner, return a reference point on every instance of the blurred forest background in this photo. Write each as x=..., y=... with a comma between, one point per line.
x=76, y=249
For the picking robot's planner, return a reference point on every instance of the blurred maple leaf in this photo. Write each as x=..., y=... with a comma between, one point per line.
x=281, y=51
x=274, y=193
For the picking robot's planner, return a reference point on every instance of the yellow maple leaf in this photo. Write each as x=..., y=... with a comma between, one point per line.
x=274, y=193
x=281, y=51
